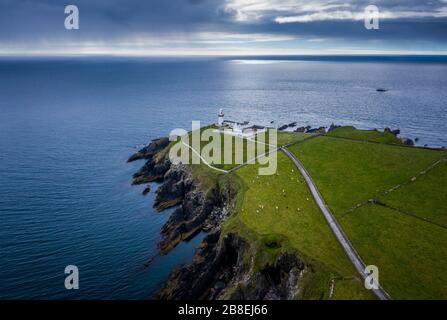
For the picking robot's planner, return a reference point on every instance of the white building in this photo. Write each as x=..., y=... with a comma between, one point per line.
x=220, y=118
x=242, y=129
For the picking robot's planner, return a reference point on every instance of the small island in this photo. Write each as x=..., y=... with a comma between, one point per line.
x=267, y=237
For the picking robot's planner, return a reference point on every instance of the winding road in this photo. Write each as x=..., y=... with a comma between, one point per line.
x=335, y=227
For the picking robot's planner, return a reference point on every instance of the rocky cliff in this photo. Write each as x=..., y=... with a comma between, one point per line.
x=222, y=267
x=196, y=210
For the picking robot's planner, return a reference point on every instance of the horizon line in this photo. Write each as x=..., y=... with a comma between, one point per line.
x=213, y=52
x=223, y=55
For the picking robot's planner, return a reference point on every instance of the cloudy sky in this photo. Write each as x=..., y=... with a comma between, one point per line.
x=184, y=27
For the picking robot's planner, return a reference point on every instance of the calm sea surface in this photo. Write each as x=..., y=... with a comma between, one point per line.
x=67, y=127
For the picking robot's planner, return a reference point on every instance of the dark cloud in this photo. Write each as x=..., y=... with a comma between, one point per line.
x=23, y=20
x=42, y=22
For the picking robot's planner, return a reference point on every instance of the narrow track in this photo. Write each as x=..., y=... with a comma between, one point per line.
x=335, y=227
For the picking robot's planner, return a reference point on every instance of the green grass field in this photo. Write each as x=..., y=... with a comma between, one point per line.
x=365, y=135
x=291, y=137
x=228, y=160
x=280, y=208
x=411, y=253
x=403, y=231
x=233, y=150
x=424, y=197
x=350, y=172
x=296, y=225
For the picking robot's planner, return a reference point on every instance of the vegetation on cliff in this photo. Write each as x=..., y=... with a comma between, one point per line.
x=268, y=240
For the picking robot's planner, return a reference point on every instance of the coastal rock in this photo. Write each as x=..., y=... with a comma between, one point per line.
x=176, y=181
x=407, y=142
x=146, y=190
x=277, y=281
x=283, y=127
x=197, y=211
x=320, y=130
x=193, y=280
x=153, y=170
x=300, y=129
x=389, y=130
x=214, y=266
x=147, y=152
x=220, y=271
x=332, y=127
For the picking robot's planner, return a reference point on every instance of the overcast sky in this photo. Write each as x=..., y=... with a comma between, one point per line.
x=152, y=27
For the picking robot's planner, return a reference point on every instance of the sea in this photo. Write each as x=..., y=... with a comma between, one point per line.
x=68, y=125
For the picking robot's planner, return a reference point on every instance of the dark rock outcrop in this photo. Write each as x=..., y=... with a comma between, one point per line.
x=320, y=130
x=153, y=170
x=279, y=281
x=285, y=126
x=194, y=281
x=407, y=142
x=197, y=210
x=300, y=129
x=146, y=190
x=220, y=270
x=389, y=130
x=333, y=127
x=177, y=182
x=155, y=167
x=150, y=150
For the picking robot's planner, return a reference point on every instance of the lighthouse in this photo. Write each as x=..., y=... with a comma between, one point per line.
x=220, y=118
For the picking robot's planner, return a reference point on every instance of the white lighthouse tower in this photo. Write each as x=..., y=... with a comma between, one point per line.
x=220, y=118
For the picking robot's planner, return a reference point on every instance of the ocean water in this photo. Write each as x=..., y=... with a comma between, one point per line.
x=67, y=127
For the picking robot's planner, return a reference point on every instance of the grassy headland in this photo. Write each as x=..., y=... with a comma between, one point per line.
x=277, y=214
x=388, y=198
